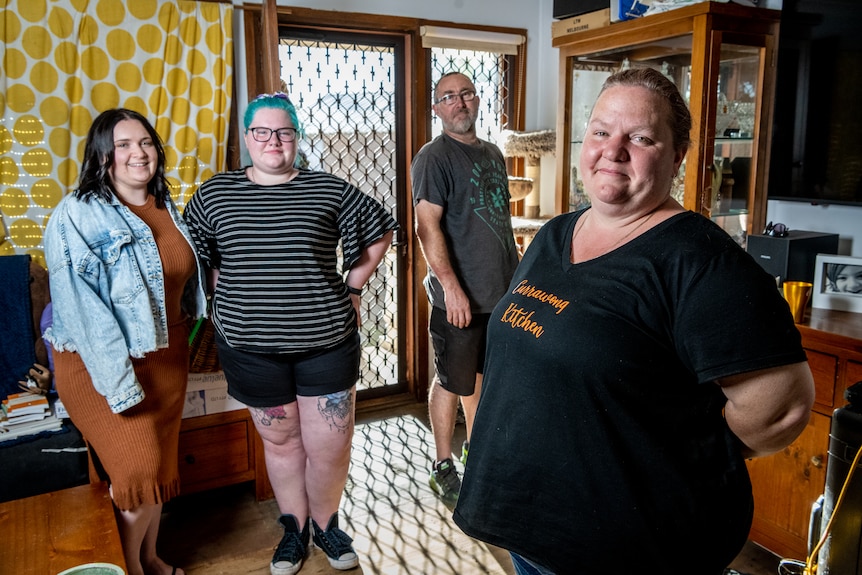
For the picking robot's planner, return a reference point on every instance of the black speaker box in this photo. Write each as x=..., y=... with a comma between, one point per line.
x=568, y=8
x=794, y=256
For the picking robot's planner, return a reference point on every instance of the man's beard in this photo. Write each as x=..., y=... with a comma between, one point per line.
x=463, y=123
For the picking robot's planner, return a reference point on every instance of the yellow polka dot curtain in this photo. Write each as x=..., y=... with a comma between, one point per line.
x=62, y=62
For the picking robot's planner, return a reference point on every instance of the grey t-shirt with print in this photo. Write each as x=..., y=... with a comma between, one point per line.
x=472, y=186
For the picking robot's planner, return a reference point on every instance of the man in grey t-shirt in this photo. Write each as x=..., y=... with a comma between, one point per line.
x=461, y=199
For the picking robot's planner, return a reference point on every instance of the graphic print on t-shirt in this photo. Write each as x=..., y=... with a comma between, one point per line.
x=521, y=318
x=490, y=202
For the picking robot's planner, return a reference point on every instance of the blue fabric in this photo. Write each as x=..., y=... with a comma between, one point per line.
x=526, y=567
x=17, y=351
x=34, y=436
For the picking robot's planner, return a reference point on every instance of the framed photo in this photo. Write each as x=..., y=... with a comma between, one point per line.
x=837, y=283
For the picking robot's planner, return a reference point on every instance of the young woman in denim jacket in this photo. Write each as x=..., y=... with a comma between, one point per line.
x=124, y=283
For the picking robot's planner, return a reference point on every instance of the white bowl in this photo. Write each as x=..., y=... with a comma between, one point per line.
x=94, y=569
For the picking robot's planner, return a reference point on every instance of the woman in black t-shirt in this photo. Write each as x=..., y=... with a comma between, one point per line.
x=638, y=357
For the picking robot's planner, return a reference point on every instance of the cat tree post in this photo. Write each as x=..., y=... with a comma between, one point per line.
x=531, y=146
x=533, y=171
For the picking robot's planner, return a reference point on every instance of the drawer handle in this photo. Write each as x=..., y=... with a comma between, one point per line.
x=190, y=459
x=816, y=461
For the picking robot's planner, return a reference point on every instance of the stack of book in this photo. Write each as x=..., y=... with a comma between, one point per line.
x=26, y=414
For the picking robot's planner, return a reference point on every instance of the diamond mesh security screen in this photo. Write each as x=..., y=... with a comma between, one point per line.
x=488, y=70
x=345, y=97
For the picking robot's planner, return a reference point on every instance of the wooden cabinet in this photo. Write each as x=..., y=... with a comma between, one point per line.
x=722, y=58
x=785, y=486
x=221, y=449
x=788, y=483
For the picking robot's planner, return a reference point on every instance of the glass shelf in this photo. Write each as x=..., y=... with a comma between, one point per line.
x=748, y=140
x=730, y=212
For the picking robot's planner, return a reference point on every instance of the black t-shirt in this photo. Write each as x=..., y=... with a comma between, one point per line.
x=599, y=444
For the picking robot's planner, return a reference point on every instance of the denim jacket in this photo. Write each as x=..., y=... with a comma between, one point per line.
x=107, y=289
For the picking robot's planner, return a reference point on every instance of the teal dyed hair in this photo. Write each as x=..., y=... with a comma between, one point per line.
x=279, y=101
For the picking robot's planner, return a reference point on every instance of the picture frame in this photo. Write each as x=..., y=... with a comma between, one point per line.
x=828, y=292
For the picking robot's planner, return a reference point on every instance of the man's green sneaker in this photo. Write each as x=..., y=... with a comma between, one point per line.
x=444, y=480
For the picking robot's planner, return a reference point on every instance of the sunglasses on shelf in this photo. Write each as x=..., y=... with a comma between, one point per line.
x=776, y=230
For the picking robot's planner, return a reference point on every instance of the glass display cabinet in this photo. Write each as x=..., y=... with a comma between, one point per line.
x=722, y=58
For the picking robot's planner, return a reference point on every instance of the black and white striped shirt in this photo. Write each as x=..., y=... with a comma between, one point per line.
x=279, y=289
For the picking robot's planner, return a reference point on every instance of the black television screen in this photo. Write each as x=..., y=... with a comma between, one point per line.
x=816, y=151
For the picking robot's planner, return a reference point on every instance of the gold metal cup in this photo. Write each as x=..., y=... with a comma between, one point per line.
x=797, y=295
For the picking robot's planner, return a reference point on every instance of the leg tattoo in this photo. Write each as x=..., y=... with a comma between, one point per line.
x=266, y=415
x=337, y=409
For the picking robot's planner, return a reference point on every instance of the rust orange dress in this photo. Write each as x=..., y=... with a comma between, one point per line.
x=138, y=447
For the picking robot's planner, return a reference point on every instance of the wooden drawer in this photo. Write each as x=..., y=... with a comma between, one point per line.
x=853, y=375
x=216, y=455
x=824, y=368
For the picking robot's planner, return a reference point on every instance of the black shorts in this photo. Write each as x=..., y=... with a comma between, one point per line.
x=459, y=354
x=270, y=379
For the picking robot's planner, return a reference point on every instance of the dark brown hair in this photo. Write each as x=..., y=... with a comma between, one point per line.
x=95, y=180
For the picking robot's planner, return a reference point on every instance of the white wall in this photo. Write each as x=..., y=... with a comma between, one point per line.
x=842, y=220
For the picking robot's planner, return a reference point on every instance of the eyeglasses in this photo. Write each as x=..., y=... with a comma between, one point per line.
x=776, y=230
x=451, y=99
x=265, y=134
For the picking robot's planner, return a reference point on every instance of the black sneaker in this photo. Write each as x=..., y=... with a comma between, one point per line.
x=290, y=552
x=335, y=543
x=444, y=480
